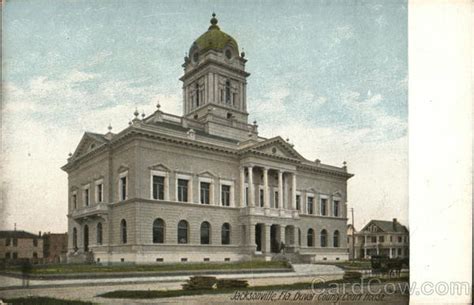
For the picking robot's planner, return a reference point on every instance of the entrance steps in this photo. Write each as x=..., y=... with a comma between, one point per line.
x=315, y=269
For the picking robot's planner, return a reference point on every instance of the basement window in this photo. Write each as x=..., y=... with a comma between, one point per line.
x=184, y=259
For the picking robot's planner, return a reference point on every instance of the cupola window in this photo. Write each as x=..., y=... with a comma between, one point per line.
x=227, y=92
x=228, y=54
x=197, y=95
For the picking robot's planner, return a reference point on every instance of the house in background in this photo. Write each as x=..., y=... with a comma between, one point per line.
x=20, y=245
x=379, y=237
x=55, y=247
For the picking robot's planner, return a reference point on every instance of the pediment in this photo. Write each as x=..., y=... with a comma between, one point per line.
x=207, y=174
x=160, y=167
x=276, y=147
x=89, y=142
x=122, y=168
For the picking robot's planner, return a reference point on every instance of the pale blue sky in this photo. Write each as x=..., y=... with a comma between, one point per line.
x=331, y=75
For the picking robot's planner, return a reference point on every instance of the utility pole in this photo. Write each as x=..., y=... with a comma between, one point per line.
x=353, y=235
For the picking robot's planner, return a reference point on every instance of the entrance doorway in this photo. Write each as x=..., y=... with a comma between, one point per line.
x=274, y=244
x=258, y=236
x=86, y=238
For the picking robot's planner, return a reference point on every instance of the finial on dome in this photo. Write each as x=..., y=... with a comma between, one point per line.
x=70, y=154
x=109, y=128
x=158, y=106
x=213, y=22
x=143, y=114
x=136, y=113
x=242, y=54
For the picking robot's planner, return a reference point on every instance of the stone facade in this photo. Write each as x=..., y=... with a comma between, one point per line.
x=204, y=186
x=379, y=237
x=20, y=245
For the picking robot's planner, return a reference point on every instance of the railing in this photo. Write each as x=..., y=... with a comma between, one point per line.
x=100, y=208
x=271, y=212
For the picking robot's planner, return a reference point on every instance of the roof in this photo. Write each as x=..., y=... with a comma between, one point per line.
x=215, y=39
x=17, y=234
x=388, y=226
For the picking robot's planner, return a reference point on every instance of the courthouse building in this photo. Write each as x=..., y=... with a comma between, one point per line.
x=203, y=186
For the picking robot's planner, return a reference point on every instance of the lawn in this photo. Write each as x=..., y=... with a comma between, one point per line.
x=155, y=294
x=96, y=268
x=43, y=301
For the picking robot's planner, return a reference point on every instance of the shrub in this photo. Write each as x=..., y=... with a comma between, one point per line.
x=200, y=282
x=229, y=283
x=352, y=276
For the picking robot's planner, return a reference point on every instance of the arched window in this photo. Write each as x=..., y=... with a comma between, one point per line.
x=158, y=231
x=227, y=92
x=86, y=238
x=310, y=238
x=225, y=234
x=324, y=238
x=299, y=237
x=99, y=233
x=74, y=238
x=335, y=239
x=123, y=231
x=183, y=232
x=205, y=233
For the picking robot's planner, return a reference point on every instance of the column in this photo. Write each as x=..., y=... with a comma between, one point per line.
x=266, y=194
x=242, y=186
x=390, y=253
x=281, y=234
x=280, y=189
x=293, y=191
x=295, y=236
x=251, y=237
x=266, y=238
x=251, y=187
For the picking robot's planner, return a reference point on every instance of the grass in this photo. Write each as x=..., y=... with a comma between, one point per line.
x=91, y=268
x=353, y=265
x=44, y=301
x=155, y=294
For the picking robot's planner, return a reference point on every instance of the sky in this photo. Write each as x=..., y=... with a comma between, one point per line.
x=329, y=75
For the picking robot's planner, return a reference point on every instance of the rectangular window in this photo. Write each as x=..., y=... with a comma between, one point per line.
x=310, y=205
x=391, y=239
x=276, y=199
x=123, y=188
x=15, y=242
x=7, y=242
x=15, y=255
x=324, y=203
x=381, y=239
x=35, y=243
x=298, y=202
x=399, y=251
x=158, y=187
x=374, y=239
x=99, y=190
x=262, y=197
x=7, y=255
x=183, y=190
x=399, y=239
x=225, y=195
x=74, y=201
x=336, y=208
x=205, y=192
x=86, y=197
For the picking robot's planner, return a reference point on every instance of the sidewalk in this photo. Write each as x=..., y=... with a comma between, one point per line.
x=300, y=271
